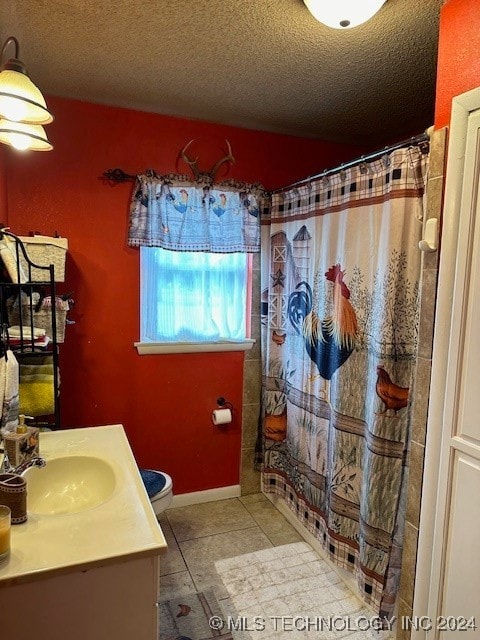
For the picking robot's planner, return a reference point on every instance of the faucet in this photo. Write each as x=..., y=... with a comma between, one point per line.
x=33, y=462
x=6, y=467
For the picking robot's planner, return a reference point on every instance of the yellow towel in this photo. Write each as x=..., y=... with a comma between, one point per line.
x=36, y=396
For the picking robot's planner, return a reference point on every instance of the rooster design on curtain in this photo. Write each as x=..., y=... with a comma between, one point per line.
x=329, y=342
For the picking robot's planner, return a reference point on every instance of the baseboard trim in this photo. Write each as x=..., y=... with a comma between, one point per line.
x=210, y=495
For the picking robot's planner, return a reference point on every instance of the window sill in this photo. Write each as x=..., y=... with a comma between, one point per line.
x=149, y=348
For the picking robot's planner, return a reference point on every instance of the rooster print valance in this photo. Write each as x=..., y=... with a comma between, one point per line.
x=340, y=283
x=185, y=216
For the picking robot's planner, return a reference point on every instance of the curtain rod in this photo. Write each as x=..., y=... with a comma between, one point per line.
x=422, y=138
x=116, y=176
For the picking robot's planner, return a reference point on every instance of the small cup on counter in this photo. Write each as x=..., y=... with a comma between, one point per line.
x=5, y=529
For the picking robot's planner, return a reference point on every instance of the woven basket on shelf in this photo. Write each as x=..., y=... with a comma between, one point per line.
x=44, y=251
x=42, y=319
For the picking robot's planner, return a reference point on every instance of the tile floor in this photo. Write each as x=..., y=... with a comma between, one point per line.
x=201, y=534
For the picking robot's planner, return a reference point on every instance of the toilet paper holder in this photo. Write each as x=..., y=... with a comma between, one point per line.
x=222, y=416
x=221, y=402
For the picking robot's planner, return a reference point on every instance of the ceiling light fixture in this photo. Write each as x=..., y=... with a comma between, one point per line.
x=20, y=99
x=343, y=14
x=24, y=136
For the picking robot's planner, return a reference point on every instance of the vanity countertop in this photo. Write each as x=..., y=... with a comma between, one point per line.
x=124, y=527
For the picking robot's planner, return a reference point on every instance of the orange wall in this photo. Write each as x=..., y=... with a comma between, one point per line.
x=458, y=55
x=165, y=401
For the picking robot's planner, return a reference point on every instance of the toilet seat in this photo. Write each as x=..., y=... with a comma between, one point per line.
x=168, y=484
x=159, y=487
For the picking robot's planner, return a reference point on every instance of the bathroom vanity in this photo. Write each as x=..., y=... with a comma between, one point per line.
x=86, y=562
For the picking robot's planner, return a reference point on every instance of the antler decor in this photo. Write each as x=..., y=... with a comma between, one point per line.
x=206, y=176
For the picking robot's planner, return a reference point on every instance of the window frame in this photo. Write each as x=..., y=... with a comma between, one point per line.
x=152, y=348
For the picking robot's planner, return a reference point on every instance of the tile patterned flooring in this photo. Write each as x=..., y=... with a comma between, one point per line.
x=201, y=534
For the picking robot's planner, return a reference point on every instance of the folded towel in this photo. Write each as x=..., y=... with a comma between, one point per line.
x=10, y=398
x=36, y=396
x=16, y=332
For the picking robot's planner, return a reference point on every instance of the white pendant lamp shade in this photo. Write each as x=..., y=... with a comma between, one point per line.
x=21, y=100
x=23, y=136
x=343, y=14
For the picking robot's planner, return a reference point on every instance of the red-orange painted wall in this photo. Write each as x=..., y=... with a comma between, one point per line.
x=164, y=402
x=458, y=55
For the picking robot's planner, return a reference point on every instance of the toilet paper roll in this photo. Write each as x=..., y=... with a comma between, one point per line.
x=221, y=416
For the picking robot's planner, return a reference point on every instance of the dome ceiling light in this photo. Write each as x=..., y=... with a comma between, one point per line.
x=343, y=14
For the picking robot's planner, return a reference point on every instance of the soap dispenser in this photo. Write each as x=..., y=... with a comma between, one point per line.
x=22, y=444
x=21, y=426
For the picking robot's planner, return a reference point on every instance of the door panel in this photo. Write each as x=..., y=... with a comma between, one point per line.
x=452, y=535
x=462, y=576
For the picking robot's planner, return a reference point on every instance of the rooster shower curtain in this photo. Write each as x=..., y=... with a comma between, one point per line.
x=340, y=284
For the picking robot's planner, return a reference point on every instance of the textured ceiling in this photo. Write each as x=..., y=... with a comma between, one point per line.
x=261, y=64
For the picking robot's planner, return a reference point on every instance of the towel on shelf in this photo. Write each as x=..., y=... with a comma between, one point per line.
x=37, y=389
x=17, y=332
x=9, y=419
x=36, y=395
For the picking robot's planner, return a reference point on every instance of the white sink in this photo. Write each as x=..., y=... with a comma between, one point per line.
x=69, y=484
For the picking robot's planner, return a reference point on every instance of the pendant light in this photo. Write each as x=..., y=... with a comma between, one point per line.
x=24, y=136
x=343, y=14
x=20, y=99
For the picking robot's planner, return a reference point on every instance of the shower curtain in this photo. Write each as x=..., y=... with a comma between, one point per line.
x=340, y=285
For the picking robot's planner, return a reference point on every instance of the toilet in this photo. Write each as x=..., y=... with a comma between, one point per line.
x=159, y=488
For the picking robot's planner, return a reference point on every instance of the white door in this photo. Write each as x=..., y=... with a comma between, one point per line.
x=449, y=544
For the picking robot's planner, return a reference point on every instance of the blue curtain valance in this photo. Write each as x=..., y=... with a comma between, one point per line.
x=187, y=216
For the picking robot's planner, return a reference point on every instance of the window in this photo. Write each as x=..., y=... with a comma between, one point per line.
x=192, y=297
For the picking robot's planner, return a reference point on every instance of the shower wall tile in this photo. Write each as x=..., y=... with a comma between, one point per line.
x=434, y=207
x=254, y=353
x=427, y=312
x=421, y=390
x=249, y=477
x=409, y=561
x=252, y=387
x=256, y=292
x=256, y=261
x=438, y=142
x=252, y=379
x=417, y=454
x=421, y=397
x=250, y=425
